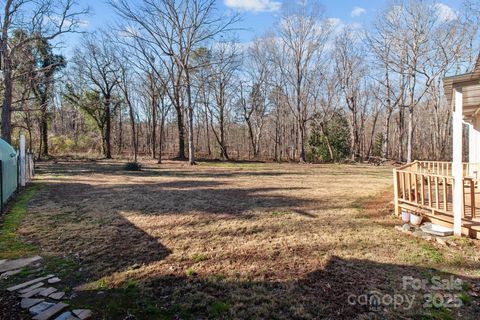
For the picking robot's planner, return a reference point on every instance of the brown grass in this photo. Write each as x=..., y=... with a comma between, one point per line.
x=233, y=240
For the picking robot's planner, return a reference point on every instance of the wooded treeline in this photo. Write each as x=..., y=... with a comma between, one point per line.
x=171, y=80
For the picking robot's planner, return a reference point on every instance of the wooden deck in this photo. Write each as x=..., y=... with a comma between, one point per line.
x=427, y=188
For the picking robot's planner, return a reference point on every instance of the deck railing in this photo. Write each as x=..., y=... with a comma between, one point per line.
x=428, y=185
x=441, y=168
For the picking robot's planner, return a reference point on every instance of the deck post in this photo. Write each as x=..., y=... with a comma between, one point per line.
x=457, y=165
x=474, y=146
x=395, y=192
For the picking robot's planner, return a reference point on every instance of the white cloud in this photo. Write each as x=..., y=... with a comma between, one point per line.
x=336, y=25
x=83, y=23
x=129, y=31
x=445, y=13
x=358, y=11
x=254, y=5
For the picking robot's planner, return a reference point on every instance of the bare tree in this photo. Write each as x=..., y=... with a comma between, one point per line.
x=126, y=83
x=382, y=44
x=254, y=93
x=175, y=29
x=40, y=19
x=223, y=70
x=303, y=36
x=416, y=45
x=351, y=69
x=96, y=66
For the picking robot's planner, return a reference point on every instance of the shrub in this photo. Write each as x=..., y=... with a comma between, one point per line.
x=133, y=166
x=335, y=134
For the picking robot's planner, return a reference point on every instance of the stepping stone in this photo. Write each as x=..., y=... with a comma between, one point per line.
x=66, y=316
x=17, y=264
x=54, y=280
x=7, y=274
x=436, y=229
x=39, y=308
x=57, y=295
x=32, y=293
x=27, y=303
x=35, y=286
x=82, y=313
x=29, y=283
x=47, y=292
x=50, y=312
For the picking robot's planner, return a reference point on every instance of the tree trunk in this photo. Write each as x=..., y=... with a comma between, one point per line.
x=303, y=157
x=207, y=131
x=154, y=121
x=181, y=134
x=134, y=136
x=108, y=128
x=7, y=103
x=44, y=130
x=401, y=134
x=386, y=134
x=160, y=145
x=410, y=135
x=191, y=144
x=40, y=141
x=327, y=140
x=372, y=134
x=353, y=128
x=223, y=147
x=6, y=125
x=120, y=133
x=252, y=138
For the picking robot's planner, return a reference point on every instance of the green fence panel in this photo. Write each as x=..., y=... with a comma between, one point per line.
x=9, y=159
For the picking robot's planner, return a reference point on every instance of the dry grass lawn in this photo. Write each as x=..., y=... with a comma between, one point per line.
x=242, y=241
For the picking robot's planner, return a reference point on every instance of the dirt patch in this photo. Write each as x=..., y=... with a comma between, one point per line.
x=10, y=307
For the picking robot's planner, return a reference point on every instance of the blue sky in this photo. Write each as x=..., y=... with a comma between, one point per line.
x=258, y=15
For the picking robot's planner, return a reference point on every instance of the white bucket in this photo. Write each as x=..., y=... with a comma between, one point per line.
x=405, y=216
x=415, y=220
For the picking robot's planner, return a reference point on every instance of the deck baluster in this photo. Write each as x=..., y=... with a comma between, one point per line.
x=445, y=190
x=472, y=198
x=422, y=194
x=409, y=186
x=429, y=192
x=417, y=193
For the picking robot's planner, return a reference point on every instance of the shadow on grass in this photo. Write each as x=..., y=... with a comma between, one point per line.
x=331, y=292
x=89, y=221
x=185, y=197
x=83, y=168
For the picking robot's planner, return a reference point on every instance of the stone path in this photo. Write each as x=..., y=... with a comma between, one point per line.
x=39, y=295
x=8, y=265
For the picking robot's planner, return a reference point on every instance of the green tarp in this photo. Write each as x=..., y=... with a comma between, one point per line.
x=9, y=159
